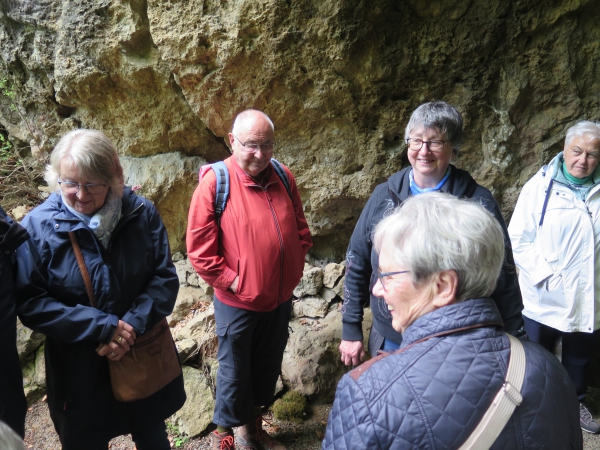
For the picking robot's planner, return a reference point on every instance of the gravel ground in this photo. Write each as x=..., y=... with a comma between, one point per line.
x=40, y=434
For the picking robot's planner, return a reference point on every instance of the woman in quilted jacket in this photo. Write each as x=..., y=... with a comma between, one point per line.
x=439, y=259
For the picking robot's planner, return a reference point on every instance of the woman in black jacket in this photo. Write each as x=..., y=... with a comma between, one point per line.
x=433, y=135
x=126, y=252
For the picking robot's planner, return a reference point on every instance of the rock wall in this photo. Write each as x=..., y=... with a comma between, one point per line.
x=339, y=78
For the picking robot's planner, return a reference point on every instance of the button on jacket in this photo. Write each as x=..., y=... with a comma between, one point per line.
x=559, y=262
x=262, y=237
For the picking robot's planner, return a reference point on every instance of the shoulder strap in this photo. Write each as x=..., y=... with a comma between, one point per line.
x=222, y=190
x=280, y=171
x=84, y=273
x=507, y=399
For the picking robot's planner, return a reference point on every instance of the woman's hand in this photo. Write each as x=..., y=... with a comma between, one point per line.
x=120, y=343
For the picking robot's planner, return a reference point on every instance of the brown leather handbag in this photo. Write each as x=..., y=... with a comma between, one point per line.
x=152, y=361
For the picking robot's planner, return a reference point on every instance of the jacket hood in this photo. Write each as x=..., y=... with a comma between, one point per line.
x=12, y=235
x=469, y=313
x=460, y=184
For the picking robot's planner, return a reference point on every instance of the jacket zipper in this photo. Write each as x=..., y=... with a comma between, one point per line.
x=281, y=247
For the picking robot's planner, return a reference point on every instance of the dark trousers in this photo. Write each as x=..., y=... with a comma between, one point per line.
x=251, y=346
x=578, y=349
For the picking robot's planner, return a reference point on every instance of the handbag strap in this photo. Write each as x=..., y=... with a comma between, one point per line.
x=507, y=399
x=84, y=272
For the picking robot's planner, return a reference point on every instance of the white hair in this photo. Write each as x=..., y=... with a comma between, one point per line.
x=9, y=440
x=581, y=129
x=92, y=153
x=435, y=231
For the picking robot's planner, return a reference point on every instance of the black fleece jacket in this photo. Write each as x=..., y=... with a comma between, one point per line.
x=362, y=260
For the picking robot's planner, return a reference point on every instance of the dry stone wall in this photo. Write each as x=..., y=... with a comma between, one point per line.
x=339, y=78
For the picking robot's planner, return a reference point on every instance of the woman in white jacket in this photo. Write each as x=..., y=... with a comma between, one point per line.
x=555, y=234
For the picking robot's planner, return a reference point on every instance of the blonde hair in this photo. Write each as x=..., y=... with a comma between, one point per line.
x=92, y=153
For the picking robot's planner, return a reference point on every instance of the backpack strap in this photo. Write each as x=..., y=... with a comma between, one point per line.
x=222, y=190
x=280, y=171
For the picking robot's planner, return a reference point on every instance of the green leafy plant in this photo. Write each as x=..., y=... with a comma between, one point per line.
x=179, y=439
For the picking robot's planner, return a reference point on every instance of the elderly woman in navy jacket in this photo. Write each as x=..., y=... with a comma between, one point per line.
x=12, y=399
x=126, y=251
x=439, y=259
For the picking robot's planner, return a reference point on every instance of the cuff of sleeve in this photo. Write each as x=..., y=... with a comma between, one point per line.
x=138, y=324
x=225, y=279
x=539, y=275
x=109, y=329
x=352, y=332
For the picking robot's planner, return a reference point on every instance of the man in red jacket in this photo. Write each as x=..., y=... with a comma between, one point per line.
x=253, y=257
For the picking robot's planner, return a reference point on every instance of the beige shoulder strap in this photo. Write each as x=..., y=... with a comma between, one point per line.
x=504, y=404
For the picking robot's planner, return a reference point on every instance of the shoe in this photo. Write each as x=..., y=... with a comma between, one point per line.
x=588, y=424
x=253, y=437
x=223, y=441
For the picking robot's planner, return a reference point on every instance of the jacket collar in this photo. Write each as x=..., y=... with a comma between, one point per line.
x=246, y=179
x=459, y=184
x=453, y=317
x=66, y=221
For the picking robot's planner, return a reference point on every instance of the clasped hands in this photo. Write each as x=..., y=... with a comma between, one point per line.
x=120, y=343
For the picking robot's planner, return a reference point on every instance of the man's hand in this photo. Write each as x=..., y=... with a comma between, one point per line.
x=352, y=352
x=120, y=343
x=234, y=285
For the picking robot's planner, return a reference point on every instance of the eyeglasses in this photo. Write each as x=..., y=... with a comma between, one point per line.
x=256, y=147
x=434, y=145
x=68, y=187
x=381, y=276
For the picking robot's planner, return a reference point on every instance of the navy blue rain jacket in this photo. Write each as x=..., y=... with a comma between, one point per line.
x=12, y=399
x=134, y=279
x=431, y=394
x=362, y=261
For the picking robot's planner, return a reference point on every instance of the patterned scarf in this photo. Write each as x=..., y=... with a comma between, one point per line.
x=104, y=222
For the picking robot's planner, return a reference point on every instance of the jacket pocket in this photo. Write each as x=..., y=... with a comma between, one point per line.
x=551, y=292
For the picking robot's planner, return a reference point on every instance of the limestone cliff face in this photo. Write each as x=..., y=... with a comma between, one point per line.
x=339, y=78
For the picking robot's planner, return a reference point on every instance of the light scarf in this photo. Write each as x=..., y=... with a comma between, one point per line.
x=104, y=222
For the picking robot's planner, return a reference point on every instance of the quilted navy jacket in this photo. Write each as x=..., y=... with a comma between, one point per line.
x=134, y=279
x=432, y=394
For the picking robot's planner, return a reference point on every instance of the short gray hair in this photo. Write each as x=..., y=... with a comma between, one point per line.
x=441, y=116
x=9, y=440
x=92, y=153
x=435, y=231
x=241, y=116
x=580, y=129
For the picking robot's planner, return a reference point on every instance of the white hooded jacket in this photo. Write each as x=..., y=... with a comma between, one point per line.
x=558, y=260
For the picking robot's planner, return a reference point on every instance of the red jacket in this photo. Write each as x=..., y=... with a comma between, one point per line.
x=263, y=237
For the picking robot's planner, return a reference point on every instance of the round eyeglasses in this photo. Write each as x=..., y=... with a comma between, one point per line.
x=435, y=145
x=381, y=276
x=68, y=187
